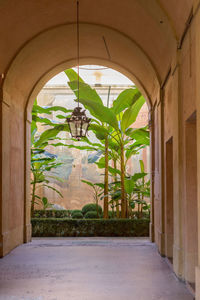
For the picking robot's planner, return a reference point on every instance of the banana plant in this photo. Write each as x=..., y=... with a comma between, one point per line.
x=118, y=118
x=101, y=127
x=41, y=160
x=138, y=190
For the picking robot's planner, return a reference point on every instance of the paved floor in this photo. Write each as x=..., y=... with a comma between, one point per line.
x=88, y=269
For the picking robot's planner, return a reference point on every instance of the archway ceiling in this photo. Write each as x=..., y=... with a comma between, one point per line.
x=136, y=20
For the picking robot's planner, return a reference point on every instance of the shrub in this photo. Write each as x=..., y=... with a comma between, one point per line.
x=74, y=211
x=62, y=213
x=77, y=215
x=52, y=213
x=52, y=227
x=91, y=207
x=91, y=215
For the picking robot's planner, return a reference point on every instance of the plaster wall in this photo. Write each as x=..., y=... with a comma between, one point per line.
x=164, y=60
x=12, y=177
x=178, y=100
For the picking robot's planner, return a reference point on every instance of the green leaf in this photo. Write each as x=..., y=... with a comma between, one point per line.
x=99, y=131
x=37, y=109
x=101, y=165
x=141, y=135
x=129, y=185
x=130, y=115
x=137, y=176
x=42, y=120
x=85, y=91
x=51, y=133
x=56, y=178
x=125, y=99
x=54, y=189
x=58, y=108
x=101, y=185
x=142, y=166
x=88, y=182
x=61, y=117
x=101, y=112
x=44, y=201
x=59, y=144
x=72, y=75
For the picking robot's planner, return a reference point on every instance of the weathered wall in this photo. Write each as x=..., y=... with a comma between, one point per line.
x=12, y=185
x=175, y=122
x=165, y=63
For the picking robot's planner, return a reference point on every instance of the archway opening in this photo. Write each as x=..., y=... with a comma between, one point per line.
x=78, y=165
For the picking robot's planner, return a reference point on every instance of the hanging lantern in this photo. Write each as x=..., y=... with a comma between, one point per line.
x=78, y=122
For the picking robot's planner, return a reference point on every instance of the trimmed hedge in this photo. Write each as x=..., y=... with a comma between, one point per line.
x=52, y=227
x=52, y=213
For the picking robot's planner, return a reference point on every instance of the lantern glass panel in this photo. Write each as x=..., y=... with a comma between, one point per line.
x=76, y=128
x=85, y=127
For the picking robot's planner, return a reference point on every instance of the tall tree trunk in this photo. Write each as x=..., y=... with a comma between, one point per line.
x=33, y=198
x=115, y=179
x=123, y=196
x=97, y=204
x=106, y=180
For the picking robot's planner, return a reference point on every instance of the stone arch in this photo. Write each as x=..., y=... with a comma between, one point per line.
x=40, y=59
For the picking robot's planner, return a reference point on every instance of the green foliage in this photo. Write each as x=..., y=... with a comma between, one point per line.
x=130, y=115
x=125, y=99
x=52, y=213
x=91, y=207
x=77, y=215
x=52, y=227
x=45, y=203
x=74, y=211
x=117, y=143
x=111, y=127
x=91, y=215
x=41, y=160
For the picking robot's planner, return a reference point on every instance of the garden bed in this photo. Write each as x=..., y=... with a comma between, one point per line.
x=64, y=227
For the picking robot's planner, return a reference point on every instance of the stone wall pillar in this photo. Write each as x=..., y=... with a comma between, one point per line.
x=197, y=56
x=158, y=175
x=12, y=174
x=5, y=174
x=177, y=171
x=27, y=179
x=152, y=164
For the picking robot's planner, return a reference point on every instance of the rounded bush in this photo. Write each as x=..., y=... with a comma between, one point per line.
x=91, y=207
x=74, y=211
x=91, y=215
x=77, y=215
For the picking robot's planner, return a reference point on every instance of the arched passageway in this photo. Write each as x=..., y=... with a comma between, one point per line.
x=155, y=42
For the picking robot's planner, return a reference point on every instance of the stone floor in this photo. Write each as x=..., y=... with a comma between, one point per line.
x=88, y=269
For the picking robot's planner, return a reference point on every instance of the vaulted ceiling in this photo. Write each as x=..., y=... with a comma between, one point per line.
x=36, y=36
